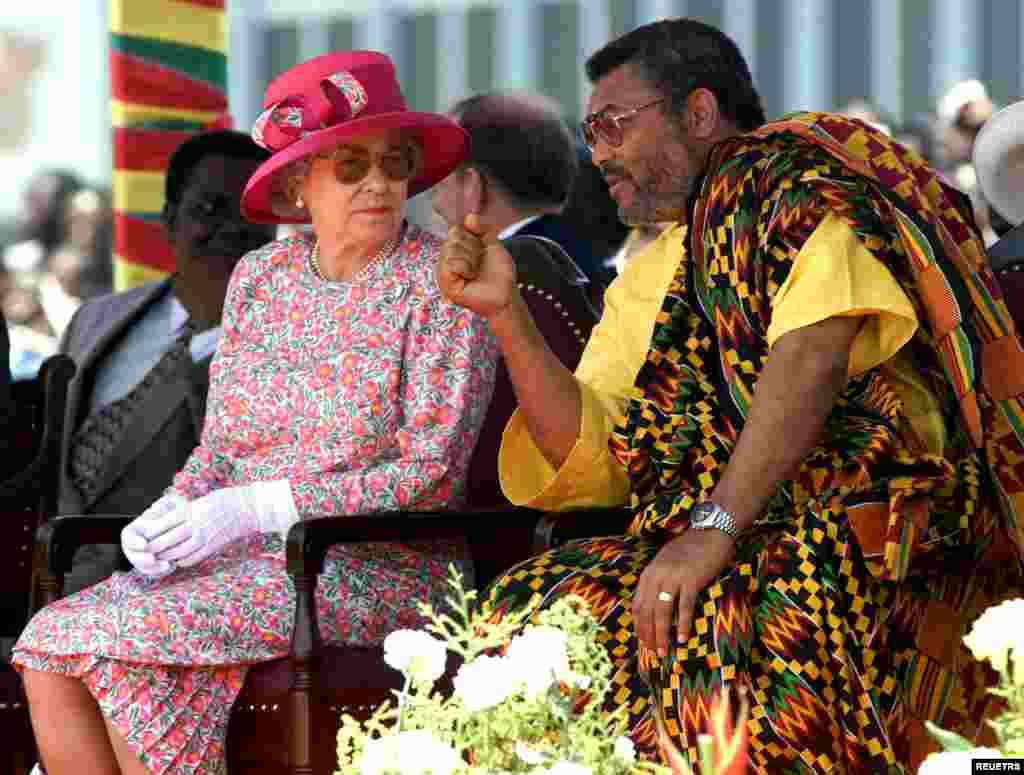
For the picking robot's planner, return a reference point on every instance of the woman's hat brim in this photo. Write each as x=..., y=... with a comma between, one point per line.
x=444, y=146
x=998, y=156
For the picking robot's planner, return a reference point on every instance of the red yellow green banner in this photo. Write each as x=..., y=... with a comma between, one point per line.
x=168, y=69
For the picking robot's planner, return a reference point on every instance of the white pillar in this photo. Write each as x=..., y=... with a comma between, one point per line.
x=377, y=30
x=739, y=22
x=652, y=10
x=453, y=60
x=595, y=30
x=246, y=52
x=886, y=56
x=518, y=42
x=314, y=37
x=808, y=81
x=954, y=44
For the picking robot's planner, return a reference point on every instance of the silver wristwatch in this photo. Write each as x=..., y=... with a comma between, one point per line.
x=707, y=515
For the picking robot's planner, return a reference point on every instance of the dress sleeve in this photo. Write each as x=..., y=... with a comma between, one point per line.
x=448, y=374
x=208, y=469
x=591, y=475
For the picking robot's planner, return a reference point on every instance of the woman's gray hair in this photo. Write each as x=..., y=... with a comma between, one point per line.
x=287, y=186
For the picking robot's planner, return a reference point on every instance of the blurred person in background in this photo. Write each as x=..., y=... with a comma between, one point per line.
x=961, y=113
x=518, y=173
x=40, y=226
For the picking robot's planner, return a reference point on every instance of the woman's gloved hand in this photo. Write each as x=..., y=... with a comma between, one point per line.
x=136, y=535
x=208, y=524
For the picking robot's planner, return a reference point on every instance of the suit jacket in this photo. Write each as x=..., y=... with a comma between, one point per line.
x=581, y=250
x=159, y=436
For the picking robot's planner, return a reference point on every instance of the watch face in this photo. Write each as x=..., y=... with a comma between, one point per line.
x=702, y=514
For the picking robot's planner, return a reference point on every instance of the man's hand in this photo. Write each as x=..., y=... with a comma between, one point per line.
x=475, y=270
x=682, y=569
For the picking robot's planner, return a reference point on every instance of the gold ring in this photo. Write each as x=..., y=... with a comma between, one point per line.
x=665, y=597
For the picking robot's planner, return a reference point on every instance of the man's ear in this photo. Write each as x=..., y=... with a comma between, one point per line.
x=703, y=117
x=474, y=191
x=167, y=217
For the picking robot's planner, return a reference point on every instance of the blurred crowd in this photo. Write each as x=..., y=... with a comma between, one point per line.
x=57, y=254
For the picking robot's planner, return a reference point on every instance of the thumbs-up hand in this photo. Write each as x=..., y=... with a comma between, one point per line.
x=475, y=270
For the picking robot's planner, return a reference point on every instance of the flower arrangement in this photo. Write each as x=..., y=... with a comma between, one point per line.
x=997, y=637
x=528, y=698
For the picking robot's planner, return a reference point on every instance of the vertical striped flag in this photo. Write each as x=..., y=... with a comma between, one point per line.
x=168, y=68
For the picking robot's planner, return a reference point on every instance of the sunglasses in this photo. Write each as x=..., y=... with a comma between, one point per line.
x=607, y=126
x=352, y=165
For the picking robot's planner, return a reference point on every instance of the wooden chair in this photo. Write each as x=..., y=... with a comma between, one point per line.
x=28, y=495
x=286, y=717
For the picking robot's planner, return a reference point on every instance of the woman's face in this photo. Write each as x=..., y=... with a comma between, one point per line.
x=358, y=190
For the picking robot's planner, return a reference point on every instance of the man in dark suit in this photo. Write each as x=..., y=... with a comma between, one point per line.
x=136, y=405
x=522, y=166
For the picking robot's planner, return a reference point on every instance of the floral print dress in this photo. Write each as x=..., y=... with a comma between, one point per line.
x=367, y=395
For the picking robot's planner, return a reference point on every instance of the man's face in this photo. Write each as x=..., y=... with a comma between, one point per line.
x=209, y=235
x=650, y=174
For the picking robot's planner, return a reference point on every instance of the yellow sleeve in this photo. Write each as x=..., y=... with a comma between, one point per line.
x=835, y=275
x=617, y=349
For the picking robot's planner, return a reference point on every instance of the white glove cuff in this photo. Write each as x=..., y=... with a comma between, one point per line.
x=274, y=504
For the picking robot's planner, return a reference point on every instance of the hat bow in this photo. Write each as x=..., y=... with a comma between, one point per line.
x=332, y=100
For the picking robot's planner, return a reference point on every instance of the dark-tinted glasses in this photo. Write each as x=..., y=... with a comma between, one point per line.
x=607, y=126
x=352, y=164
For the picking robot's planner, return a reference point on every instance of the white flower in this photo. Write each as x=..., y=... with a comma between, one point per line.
x=484, y=682
x=416, y=654
x=539, y=658
x=996, y=632
x=568, y=768
x=527, y=754
x=954, y=762
x=624, y=747
x=415, y=752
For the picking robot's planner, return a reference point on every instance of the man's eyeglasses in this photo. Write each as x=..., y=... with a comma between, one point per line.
x=608, y=126
x=353, y=164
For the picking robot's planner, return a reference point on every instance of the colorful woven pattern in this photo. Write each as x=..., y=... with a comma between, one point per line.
x=168, y=67
x=842, y=614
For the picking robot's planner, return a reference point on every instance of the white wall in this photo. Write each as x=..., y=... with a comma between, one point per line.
x=71, y=100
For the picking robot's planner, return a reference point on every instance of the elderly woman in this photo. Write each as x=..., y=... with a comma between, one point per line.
x=343, y=384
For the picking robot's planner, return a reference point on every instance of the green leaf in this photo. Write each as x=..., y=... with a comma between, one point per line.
x=950, y=741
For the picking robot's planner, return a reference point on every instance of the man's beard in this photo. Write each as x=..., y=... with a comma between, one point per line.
x=650, y=206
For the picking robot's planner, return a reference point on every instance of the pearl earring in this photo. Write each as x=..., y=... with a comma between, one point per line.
x=299, y=203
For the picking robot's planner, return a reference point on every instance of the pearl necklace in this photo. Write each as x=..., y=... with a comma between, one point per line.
x=380, y=255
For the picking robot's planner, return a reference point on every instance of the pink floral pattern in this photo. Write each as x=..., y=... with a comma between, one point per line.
x=367, y=396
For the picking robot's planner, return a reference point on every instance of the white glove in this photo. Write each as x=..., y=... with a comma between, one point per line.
x=136, y=535
x=215, y=520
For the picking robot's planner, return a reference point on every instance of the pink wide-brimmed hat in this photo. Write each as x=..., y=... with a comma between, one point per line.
x=319, y=104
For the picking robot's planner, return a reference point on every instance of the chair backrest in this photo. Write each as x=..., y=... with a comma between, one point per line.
x=555, y=291
x=28, y=494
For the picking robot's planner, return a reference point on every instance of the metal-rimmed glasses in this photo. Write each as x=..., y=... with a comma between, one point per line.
x=607, y=126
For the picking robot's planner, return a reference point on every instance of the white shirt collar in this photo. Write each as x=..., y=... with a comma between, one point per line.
x=514, y=228
x=203, y=342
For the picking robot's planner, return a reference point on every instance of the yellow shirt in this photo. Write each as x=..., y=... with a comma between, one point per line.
x=832, y=275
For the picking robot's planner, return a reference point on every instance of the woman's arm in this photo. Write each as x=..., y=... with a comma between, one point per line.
x=447, y=380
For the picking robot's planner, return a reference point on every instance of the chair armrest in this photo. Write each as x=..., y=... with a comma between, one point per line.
x=555, y=528
x=59, y=538
x=309, y=540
